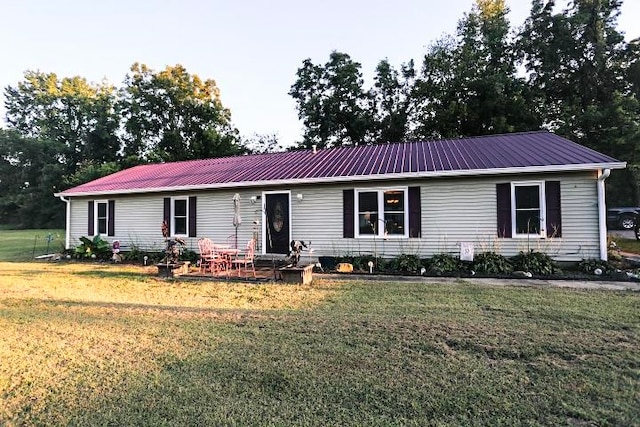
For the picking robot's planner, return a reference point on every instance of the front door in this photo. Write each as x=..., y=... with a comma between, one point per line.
x=277, y=231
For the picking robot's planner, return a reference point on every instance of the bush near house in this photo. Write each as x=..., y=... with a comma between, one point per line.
x=94, y=248
x=491, y=264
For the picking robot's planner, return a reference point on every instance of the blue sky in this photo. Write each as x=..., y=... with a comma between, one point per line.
x=252, y=49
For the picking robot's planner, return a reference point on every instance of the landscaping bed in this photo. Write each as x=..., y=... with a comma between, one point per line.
x=528, y=265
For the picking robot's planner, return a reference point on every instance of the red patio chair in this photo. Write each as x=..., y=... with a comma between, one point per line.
x=208, y=258
x=245, y=259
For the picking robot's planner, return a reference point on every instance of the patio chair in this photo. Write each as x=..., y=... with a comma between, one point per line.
x=246, y=259
x=208, y=257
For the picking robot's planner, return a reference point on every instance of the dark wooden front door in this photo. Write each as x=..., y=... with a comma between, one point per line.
x=277, y=223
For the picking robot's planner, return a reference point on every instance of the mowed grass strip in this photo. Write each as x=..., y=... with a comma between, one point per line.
x=628, y=245
x=23, y=245
x=84, y=344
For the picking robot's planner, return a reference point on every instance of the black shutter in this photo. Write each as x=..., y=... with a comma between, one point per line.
x=90, y=229
x=167, y=212
x=553, y=217
x=112, y=216
x=415, y=212
x=348, y=207
x=192, y=216
x=503, y=196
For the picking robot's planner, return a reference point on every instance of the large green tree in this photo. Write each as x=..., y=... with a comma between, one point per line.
x=581, y=71
x=469, y=83
x=79, y=115
x=332, y=103
x=394, y=103
x=31, y=170
x=173, y=115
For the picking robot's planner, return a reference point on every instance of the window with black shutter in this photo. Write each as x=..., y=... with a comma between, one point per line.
x=528, y=209
x=180, y=214
x=384, y=212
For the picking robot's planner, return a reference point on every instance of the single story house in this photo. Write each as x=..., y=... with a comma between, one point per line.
x=503, y=193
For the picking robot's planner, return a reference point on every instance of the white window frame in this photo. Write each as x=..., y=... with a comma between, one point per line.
x=173, y=216
x=380, y=231
x=543, y=209
x=96, y=222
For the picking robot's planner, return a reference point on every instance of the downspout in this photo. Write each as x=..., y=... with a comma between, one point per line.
x=602, y=212
x=67, y=224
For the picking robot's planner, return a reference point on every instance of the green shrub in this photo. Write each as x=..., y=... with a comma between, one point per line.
x=97, y=248
x=491, y=263
x=405, y=263
x=136, y=255
x=590, y=265
x=361, y=262
x=535, y=262
x=444, y=263
x=189, y=255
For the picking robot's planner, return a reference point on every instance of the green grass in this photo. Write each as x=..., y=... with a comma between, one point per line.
x=22, y=245
x=103, y=345
x=629, y=245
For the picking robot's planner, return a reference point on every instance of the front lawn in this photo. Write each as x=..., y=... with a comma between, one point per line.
x=86, y=344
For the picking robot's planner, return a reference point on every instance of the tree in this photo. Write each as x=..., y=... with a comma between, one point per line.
x=173, y=115
x=31, y=170
x=469, y=84
x=582, y=73
x=261, y=144
x=332, y=103
x=79, y=115
x=394, y=103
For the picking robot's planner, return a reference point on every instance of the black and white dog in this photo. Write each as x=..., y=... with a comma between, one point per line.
x=296, y=248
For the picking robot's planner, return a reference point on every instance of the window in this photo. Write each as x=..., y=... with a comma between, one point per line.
x=382, y=213
x=179, y=217
x=102, y=217
x=529, y=209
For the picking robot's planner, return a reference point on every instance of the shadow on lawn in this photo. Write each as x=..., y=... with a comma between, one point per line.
x=113, y=274
x=101, y=312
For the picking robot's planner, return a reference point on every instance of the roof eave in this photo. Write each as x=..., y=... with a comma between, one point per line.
x=338, y=179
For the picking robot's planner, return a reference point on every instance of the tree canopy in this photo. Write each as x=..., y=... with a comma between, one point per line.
x=567, y=70
x=173, y=115
x=67, y=131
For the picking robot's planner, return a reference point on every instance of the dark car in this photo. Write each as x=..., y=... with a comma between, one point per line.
x=624, y=218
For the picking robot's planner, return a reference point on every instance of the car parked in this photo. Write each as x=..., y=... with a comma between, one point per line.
x=624, y=217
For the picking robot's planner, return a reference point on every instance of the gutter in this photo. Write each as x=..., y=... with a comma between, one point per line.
x=603, y=174
x=67, y=226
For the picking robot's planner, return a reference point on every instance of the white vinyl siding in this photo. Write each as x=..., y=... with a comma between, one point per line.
x=453, y=210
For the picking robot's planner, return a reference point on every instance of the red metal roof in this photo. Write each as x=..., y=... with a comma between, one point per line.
x=465, y=156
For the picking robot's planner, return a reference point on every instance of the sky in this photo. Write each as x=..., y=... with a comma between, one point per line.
x=252, y=49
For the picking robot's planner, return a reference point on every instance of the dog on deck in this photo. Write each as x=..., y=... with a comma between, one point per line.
x=296, y=248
